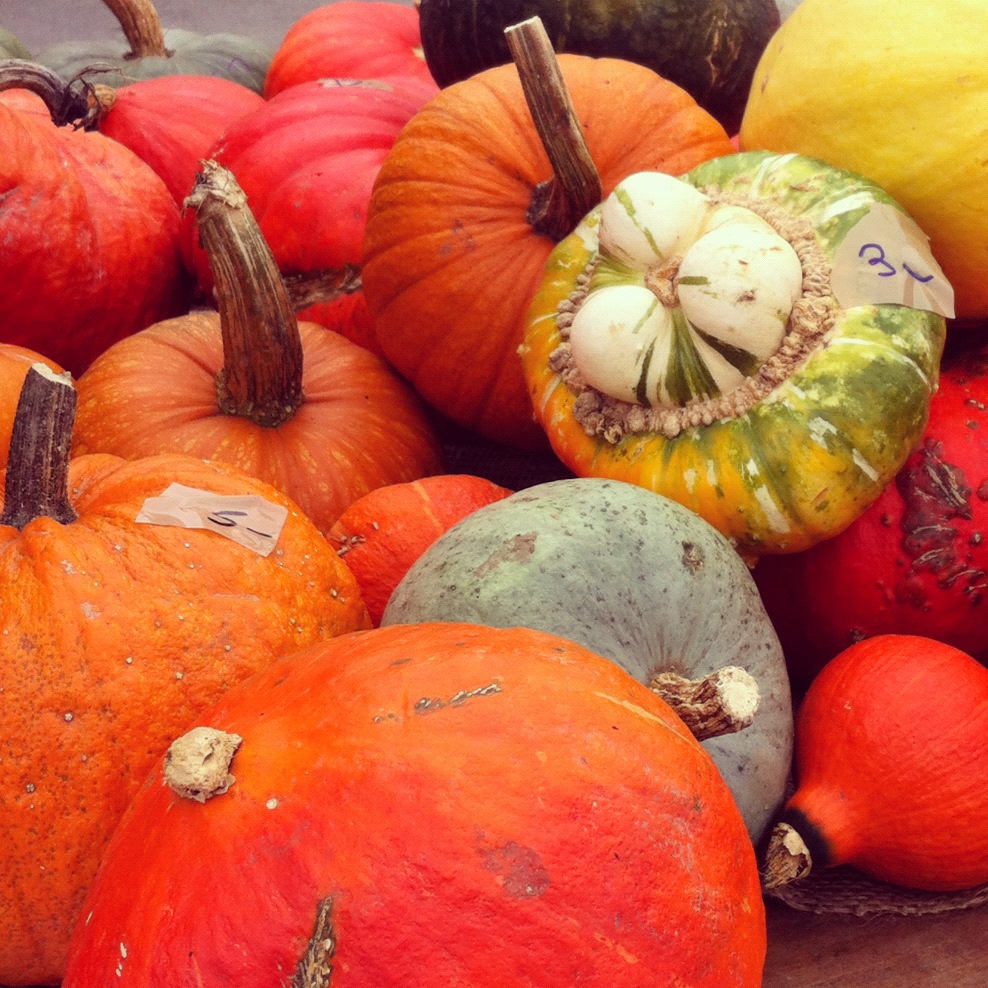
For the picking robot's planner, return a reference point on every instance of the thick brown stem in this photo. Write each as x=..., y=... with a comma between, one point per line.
x=724, y=702
x=261, y=377
x=787, y=858
x=197, y=765
x=65, y=102
x=141, y=26
x=559, y=204
x=37, y=480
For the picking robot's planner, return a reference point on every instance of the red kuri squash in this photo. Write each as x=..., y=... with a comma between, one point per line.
x=351, y=39
x=890, y=767
x=431, y=805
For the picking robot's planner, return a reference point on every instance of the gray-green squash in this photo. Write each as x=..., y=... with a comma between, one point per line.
x=11, y=47
x=148, y=52
x=636, y=578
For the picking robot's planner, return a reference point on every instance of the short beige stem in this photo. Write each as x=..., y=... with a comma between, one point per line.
x=197, y=765
x=261, y=379
x=141, y=26
x=66, y=103
x=320, y=287
x=787, y=858
x=724, y=702
x=561, y=203
x=37, y=479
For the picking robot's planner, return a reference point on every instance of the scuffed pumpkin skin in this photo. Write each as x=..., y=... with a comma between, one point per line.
x=633, y=577
x=483, y=807
x=804, y=462
x=114, y=636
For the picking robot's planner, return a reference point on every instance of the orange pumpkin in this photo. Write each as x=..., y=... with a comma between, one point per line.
x=891, y=769
x=383, y=533
x=431, y=805
x=116, y=634
x=451, y=256
x=311, y=413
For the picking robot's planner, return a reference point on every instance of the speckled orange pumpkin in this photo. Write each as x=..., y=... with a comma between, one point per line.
x=114, y=636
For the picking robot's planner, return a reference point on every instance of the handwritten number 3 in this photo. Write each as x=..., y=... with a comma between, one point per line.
x=879, y=259
x=889, y=268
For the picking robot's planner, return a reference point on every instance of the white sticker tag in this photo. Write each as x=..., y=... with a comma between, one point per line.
x=886, y=260
x=245, y=518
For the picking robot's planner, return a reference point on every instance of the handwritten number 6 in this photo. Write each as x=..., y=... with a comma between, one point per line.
x=879, y=259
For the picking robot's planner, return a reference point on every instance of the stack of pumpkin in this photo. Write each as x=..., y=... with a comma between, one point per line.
x=282, y=698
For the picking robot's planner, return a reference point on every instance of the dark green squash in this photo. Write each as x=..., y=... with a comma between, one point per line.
x=708, y=47
x=149, y=51
x=10, y=47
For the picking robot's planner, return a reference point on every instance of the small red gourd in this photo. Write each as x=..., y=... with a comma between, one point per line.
x=171, y=122
x=90, y=233
x=890, y=768
x=430, y=805
x=383, y=533
x=351, y=39
x=298, y=406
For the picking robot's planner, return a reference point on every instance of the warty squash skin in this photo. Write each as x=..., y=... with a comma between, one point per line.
x=115, y=635
x=435, y=805
x=632, y=576
x=806, y=458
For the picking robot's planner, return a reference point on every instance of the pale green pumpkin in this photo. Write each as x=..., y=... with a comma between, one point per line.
x=11, y=47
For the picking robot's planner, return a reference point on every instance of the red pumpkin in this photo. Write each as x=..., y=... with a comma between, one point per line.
x=455, y=249
x=891, y=768
x=171, y=122
x=916, y=562
x=307, y=161
x=431, y=805
x=117, y=634
x=90, y=233
x=353, y=39
x=383, y=533
x=311, y=413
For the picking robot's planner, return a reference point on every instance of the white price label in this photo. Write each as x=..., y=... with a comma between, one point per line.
x=245, y=518
x=886, y=260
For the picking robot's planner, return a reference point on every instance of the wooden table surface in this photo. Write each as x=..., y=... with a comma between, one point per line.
x=941, y=951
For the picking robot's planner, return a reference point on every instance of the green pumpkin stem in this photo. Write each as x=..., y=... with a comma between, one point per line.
x=141, y=25
x=37, y=480
x=561, y=203
x=66, y=102
x=261, y=377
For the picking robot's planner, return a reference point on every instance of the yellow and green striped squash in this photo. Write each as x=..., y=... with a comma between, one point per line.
x=805, y=461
